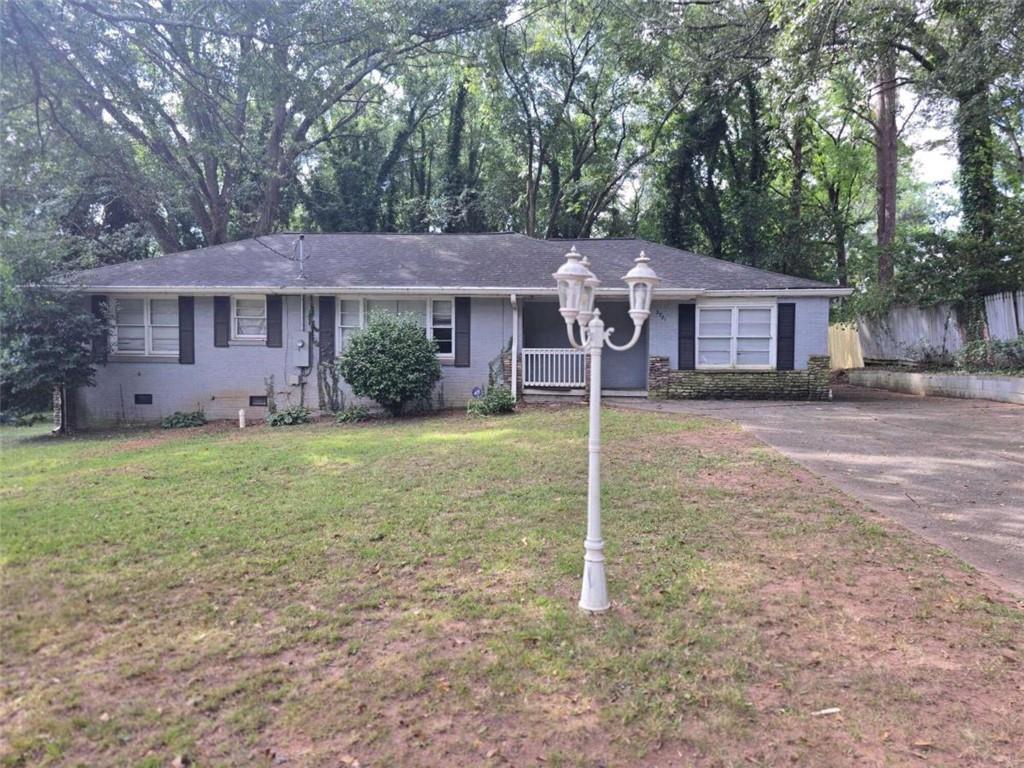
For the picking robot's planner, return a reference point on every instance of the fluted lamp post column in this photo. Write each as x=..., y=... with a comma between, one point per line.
x=577, y=290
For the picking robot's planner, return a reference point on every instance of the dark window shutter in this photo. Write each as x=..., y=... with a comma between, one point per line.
x=687, y=337
x=462, y=331
x=101, y=341
x=186, y=330
x=221, y=320
x=786, y=344
x=326, y=327
x=275, y=330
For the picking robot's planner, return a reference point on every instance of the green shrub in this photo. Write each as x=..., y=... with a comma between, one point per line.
x=182, y=419
x=992, y=355
x=353, y=414
x=288, y=417
x=497, y=400
x=391, y=361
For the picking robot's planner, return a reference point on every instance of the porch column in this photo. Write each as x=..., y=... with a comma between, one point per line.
x=515, y=348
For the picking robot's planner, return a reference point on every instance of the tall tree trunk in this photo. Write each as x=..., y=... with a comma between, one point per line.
x=886, y=162
x=794, y=241
x=838, y=231
x=554, y=198
x=975, y=147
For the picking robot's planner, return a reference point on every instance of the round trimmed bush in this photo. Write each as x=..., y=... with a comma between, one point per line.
x=391, y=361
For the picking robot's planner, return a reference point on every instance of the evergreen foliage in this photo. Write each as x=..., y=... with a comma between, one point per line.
x=391, y=362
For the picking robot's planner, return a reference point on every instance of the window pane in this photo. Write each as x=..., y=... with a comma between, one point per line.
x=381, y=305
x=165, y=339
x=755, y=322
x=131, y=338
x=442, y=313
x=130, y=311
x=415, y=307
x=345, y=337
x=418, y=309
x=752, y=351
x=348, y=313
x=716, y=322
x=163, y=312
x=752, y=345
x=443, y=338
x=713, y=351
x=250, y=326
x=250, y=307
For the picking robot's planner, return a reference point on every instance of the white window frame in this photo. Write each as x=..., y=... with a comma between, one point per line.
x=429, y=318
x=235, y=335
x=337, y=314
x=147, y=325
x=736, y=305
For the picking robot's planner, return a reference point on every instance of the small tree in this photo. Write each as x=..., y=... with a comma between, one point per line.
x=391, y=361
x=46, y=343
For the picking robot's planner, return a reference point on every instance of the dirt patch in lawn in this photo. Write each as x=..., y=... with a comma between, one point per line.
x=422, y=610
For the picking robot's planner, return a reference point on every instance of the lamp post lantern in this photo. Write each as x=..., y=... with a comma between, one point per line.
x=577, y=290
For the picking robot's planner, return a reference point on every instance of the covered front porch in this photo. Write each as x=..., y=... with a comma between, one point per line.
x=547, y=364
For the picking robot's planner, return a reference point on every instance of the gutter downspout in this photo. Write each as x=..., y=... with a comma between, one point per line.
x=515, y=348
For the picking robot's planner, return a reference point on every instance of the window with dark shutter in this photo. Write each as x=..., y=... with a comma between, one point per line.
x=186, y=330
x=462, y=336
x=785, y=351
x=326, y=329
x=275, y=321
x=221, y=320
x=687, y=337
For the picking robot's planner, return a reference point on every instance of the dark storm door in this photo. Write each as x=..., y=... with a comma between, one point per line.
x=623, y=370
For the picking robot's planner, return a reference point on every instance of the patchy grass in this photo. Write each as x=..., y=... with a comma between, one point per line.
x=405, y=594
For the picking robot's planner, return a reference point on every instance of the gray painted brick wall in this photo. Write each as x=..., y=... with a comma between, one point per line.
x=222, y=379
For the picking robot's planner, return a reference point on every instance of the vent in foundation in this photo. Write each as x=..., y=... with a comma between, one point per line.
x=257, y=401
x=143, y=399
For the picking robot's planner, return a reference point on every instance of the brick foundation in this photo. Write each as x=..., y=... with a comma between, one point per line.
x=809, y=384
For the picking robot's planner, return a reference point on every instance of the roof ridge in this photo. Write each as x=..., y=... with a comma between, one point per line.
x=392, y=234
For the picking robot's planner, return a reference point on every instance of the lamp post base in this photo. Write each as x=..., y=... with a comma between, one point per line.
x=594, y=595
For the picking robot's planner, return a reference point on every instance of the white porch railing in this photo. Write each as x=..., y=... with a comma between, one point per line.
x=554, y=367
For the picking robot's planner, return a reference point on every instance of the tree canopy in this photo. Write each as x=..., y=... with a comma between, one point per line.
x=766, y=132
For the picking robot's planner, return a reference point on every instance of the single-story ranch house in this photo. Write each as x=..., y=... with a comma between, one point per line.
x=210, y=329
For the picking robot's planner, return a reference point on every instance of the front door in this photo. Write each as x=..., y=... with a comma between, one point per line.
x=623, y=370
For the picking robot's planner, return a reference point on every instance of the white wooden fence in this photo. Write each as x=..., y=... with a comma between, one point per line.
x=554, y=367
x=1004, y=313
x=906, y=332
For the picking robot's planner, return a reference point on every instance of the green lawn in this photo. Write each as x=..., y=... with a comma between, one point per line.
x=405, y=594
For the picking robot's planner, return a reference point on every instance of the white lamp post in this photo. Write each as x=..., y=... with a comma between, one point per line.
x=577, y=289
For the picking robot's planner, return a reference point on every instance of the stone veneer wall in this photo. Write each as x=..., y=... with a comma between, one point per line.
x=506, y=372
x=809, y=384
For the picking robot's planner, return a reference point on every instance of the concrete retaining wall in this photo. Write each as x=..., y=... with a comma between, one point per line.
x=1005, y=389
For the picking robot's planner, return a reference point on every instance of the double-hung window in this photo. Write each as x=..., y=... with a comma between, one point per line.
x=442, y=325
x=350, y=320
x=740, y=336
x=145, y=326
x=249, y=317
x=435, y=316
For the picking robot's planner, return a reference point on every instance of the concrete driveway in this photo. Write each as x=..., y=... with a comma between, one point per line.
x=950, y=470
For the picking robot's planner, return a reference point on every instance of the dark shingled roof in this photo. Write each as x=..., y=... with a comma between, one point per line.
x=354, y=261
